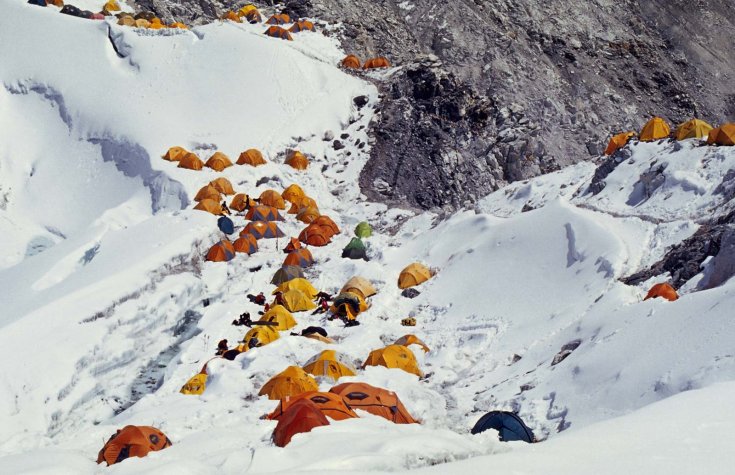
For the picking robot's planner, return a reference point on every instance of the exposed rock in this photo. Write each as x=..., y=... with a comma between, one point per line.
x=328, y=136
x=360, y=101
x=565, y=351
x=722, y=266
x=410, y=293
x=337, y=145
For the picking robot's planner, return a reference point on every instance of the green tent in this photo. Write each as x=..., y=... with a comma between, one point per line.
x=355, y=249
x=363, y=230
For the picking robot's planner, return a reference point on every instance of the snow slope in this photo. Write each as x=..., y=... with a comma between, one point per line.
x=109, y=308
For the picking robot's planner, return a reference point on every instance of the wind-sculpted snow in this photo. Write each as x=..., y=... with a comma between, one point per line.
x=526, y=310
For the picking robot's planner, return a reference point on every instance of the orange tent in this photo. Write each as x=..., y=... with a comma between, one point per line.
x=278, y=19
x=307, y=215
x=174, y=154
x=378, y=401
x=263, y=213
x=191, y=161
x=132, y=441
x=293, y=193
x=221, y=252
x=273, y=199
x=223, y=185
x=297, y=160
x=330, y=404
x=655, y=129
x=327, y=222
x=239, y=204
x=278, y=32
x=301, y=417
x=723, y=135
x=246, y=243
x=288, y=383
x=351, y=62
x=662, y=290
x=251, y=157
x=618, y=141
x=373, y=63
x=218, y=161
x=302, y=25
x=210, y=206
x=232, y=16
x=293, y=245
x=315, y=235
x=263, y=230
x=208, y=192
x=304, y=202
x=300, y=257
x=178, y=25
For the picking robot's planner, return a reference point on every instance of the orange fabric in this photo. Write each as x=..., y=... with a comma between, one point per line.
x=295, y=258
x=263, y=213
x=307, y=215
x=326, y=222
x=209, y=205
x=302, y=416
x=302, y=25
x=655, y=129
x=232, y=16
x=304, y=202
x=618, y=141
x=262, y=229
x=221, y=252
x=279, y=19
x=238, y=202
x=191, y=161
x=662, y=290
x=179, y=25
x=351, y=62
x=223, y=185
x=293, y=193
x=251, y=157
x=293, y=245
x=273, y=199
x=278, y=32
x=373, y=63
x=208, y=192
x=330, y=404
x=174, y=154
x=315, y=235
x=297, y=160
x=378, y=401
x=723, y=135
x=218, y=161
x=246, y=243
x=139, y=441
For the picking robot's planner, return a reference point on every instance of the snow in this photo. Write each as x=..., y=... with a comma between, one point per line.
x=109, y=308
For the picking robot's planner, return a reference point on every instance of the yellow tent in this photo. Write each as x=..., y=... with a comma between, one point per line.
x=299, y=284
x=178, y=25
x=209, y=205
x=174, y=154
x=111, y=6
x=259, y=336
x=618, y=141
x=330, y=364
x=279, y=314
x=413, y=275
x=232, y=16
x=196, y=385
x=126, y=21
x=297, y=160
x=307, y=215
x=238, y=202
x=218, y=161
x=208, y=192
x=223, y=185
x=304, y=202
x=247, y=9
x=272, y=198
x=655, y=129
x=290, y=382
x=359, y=286
x=293, y=193
x=142, y=23
x=251, y=157
x=394, y=356
x=407, y=340
x=297, y=301
x=692, y=129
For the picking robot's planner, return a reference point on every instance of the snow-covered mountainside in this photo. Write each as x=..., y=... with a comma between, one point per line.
x=108, y=306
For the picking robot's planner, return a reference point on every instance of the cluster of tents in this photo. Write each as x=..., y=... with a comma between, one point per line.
x=353, y=62
x=657, y=129
x=147, y=20
x=277, y=22
x=107, y=10
x=218, y=161
x=144, y=19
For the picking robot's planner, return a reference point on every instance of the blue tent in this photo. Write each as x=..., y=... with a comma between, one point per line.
x=509, y=426
x=40, y=3
x=226, y=225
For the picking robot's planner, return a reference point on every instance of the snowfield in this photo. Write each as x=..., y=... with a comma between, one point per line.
x=108, y=307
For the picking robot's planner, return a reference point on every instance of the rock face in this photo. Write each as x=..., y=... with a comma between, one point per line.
x=491, y=91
